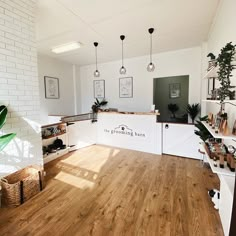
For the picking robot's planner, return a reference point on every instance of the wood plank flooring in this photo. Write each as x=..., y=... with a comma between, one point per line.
x=103, y=191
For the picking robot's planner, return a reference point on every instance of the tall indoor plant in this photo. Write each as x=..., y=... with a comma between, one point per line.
x=6, y=138
x=224, y=61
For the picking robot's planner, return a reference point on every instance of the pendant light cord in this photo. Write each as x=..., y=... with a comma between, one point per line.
x=96, y=58
x=150, y=48
x=122, y=55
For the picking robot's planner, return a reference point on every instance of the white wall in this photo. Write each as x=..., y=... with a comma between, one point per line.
x=19, y=88
x=65, y=105
x=181, y=62
x=222, y=32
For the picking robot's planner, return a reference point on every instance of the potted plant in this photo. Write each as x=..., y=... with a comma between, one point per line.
x=6, y=138
x=96, y=107
x=193, y=110
x=173, y=108
x=202, y=131
x=226, y=66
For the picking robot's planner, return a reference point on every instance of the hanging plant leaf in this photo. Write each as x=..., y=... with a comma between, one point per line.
x=5, y=139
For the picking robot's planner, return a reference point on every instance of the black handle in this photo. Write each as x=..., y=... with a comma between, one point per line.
x=69, y=123
x=166, y=126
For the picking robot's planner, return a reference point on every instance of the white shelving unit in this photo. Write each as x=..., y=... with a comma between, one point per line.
x=218, y=170
x=49, y=140
x=219, y=135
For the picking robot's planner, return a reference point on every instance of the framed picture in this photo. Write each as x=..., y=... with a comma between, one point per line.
x=174, y=90
x=99, y=88
x=126, y=87
x=211, y=85
x=51, y=87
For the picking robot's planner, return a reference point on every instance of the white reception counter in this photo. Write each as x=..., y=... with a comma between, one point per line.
x=132, y=130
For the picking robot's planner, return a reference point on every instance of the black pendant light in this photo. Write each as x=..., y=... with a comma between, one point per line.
x=96, y=72
x=122, y=69
x=151, y=66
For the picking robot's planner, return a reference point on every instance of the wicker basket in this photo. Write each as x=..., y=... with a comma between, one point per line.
x=20, y=186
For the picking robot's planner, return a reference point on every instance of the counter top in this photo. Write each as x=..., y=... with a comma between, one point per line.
x=130, y=113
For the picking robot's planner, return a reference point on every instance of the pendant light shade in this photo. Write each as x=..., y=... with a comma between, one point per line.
x=122, y=69
x=96, y=72
x=151, y=66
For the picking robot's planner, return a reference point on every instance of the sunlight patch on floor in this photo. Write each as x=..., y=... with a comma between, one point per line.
x=74, y=180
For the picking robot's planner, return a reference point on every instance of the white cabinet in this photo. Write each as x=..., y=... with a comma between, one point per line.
x=180, y=140
x=82, y=134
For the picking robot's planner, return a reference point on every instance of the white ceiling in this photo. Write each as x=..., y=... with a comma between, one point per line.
x=178, y=24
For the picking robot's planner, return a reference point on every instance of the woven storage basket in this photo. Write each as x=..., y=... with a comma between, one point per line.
x=20, y=186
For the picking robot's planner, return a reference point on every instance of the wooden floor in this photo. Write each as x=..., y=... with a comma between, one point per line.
x=104, y=191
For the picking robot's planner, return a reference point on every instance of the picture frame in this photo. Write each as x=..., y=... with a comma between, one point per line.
x=210, y=86
x=99, y=88
x=126, y=87
x=51, y=85
x=175, y=90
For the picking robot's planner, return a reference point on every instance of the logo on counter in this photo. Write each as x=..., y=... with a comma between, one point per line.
x=124, y=130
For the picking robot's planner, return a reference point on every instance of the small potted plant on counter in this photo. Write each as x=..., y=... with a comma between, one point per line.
x=97, y=107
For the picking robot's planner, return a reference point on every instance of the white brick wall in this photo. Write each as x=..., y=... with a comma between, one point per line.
x=19, y=87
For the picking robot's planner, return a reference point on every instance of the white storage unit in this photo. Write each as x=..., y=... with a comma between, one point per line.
x=180, y=140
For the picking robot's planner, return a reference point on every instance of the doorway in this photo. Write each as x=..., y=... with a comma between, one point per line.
x=170, y=95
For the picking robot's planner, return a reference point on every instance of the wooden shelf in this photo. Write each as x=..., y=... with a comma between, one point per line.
x=212, y=73
x=218, y=101
x=53, y=136
x=218, y=170
x=219, y=135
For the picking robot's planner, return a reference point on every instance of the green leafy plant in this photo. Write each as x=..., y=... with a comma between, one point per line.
x=173, y=108
x=202, y=131
x=193, y=110
x=4, y=139
x=98, y=104
x=224, y=61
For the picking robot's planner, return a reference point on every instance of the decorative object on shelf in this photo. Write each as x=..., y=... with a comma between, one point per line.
x=193, y=110
x=51, y=87
x=174, y=90
x=151, y=66
x=234, y=128
x=6, y=138
x=96, y=72
x=224, y=61
x=173, y=108
x=96, y=107
x=122, y=69
x=202, y=131
x=99, y=88
x=212, y=62
x=211, y=87
x=126, y=87
x=215, y=197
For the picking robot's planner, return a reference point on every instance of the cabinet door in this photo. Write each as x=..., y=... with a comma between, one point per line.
x=180, y=140
x=81, y=134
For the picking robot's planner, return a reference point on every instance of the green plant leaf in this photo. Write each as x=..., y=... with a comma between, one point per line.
x=3, y=115
x=5, y=139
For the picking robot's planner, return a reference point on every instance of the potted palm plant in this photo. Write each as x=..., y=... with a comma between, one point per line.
x=193, y=110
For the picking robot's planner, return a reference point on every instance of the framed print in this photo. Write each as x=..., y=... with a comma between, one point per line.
x=174, y=90
x=126, y=87
x=99, y=88
x=211, y=85
x=51, y=87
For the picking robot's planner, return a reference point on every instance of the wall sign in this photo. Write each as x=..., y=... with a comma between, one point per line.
x=99, y=88
x=124, y=130
x=126, y=87
x=51, y=87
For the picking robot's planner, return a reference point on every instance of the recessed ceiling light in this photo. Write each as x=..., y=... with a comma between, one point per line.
x=66, y=47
